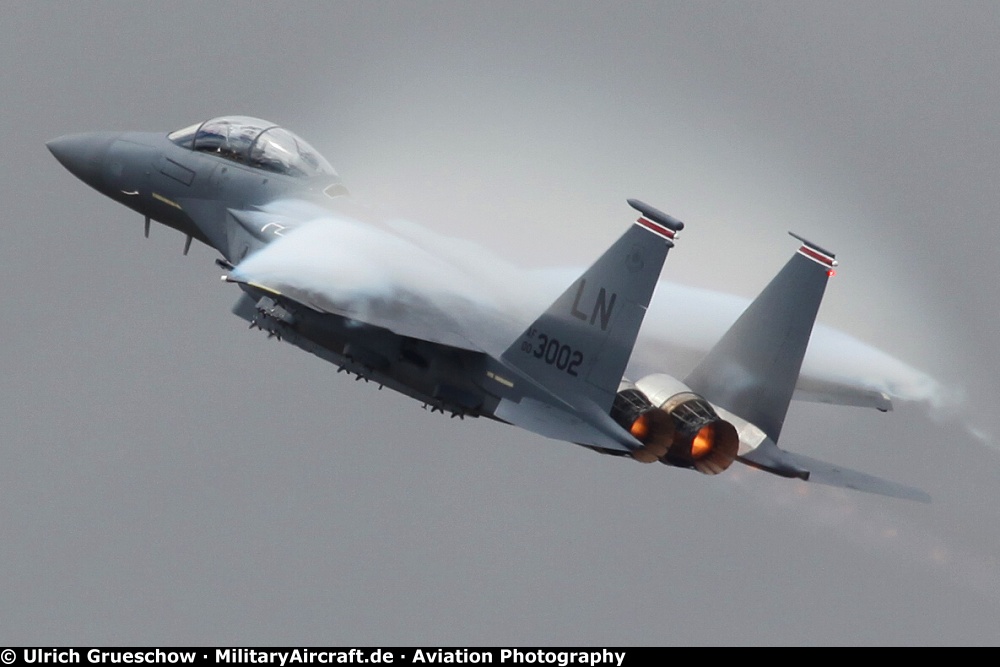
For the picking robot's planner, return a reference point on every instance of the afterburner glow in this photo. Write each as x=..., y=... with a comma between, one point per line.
x=703, y=441
x=640, y=428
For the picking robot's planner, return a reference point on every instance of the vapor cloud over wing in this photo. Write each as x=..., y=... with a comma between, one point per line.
x=417, y=282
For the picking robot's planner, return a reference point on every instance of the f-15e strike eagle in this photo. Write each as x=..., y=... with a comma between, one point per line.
x=241, y=184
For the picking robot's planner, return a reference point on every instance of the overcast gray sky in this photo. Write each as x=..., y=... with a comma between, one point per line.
x=167, y=476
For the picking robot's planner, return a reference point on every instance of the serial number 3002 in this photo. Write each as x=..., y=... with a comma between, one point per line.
x=552, y=352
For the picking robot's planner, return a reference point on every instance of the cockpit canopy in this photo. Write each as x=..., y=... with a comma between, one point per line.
x=256, y=143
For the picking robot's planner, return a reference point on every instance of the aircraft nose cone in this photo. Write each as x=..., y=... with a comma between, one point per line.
x=83, y=154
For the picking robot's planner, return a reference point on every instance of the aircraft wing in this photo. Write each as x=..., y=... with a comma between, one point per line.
x=818, y=389
x=684, y=322
x=417, y=283
x=410, y=319
x=558, y=377
x=364, y=273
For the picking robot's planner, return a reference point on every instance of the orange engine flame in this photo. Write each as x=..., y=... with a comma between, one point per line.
x=703, y=441
x=640, y=428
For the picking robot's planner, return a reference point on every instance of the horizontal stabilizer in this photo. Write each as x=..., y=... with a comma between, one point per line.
x=770, y=458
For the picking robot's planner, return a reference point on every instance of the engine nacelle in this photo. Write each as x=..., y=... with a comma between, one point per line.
x=652, y=427
x=675, y=425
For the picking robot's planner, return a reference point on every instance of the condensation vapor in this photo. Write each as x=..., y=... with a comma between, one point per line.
x=417, y=282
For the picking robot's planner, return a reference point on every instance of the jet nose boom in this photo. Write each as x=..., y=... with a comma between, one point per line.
x=83, y=154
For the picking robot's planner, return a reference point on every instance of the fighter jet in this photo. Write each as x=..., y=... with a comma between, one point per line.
x=240, y=184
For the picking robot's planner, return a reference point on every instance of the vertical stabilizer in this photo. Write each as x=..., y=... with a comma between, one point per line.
x=753, y=369
x=579, y=347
